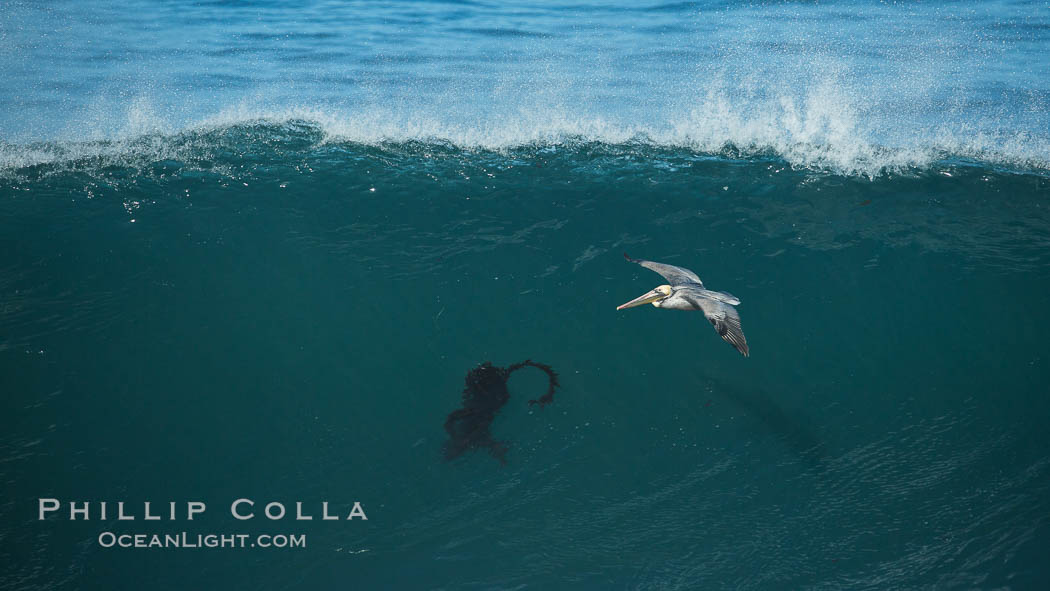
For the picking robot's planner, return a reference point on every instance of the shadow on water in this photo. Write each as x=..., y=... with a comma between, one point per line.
x=792, y=430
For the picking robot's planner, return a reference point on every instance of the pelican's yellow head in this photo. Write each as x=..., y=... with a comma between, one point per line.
x=652, y=297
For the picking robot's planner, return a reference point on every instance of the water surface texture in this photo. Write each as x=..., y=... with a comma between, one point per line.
x=252, y=250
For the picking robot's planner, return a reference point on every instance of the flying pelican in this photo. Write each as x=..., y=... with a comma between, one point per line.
x=687, y=292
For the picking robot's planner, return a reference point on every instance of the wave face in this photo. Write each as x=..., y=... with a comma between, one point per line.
x=253, y=250
x=331, y=295
x=854, y=88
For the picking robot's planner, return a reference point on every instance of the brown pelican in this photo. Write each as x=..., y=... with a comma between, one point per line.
x=687, y=292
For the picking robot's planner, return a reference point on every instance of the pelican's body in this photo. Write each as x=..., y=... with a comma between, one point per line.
x=686, y=292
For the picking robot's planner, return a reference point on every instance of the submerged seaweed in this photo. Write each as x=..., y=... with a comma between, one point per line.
x=484, y=395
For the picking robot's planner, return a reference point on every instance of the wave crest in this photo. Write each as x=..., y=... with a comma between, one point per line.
x=820, y=132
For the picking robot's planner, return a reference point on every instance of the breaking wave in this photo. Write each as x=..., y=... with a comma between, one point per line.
x=823, y=130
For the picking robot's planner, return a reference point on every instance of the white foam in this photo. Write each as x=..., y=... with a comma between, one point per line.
x=822, y=126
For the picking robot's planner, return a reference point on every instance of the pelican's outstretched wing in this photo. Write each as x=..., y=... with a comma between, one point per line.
x=674, y=275
x=726, y=321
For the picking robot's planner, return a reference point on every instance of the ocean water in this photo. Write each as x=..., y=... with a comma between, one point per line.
x=251, y=250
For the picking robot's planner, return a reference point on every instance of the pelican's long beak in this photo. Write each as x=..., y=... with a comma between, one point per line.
x=650, y=297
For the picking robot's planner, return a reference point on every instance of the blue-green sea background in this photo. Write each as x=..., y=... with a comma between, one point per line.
x=252, y=250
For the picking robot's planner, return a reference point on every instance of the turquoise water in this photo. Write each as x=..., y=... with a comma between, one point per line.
x=253, y=252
